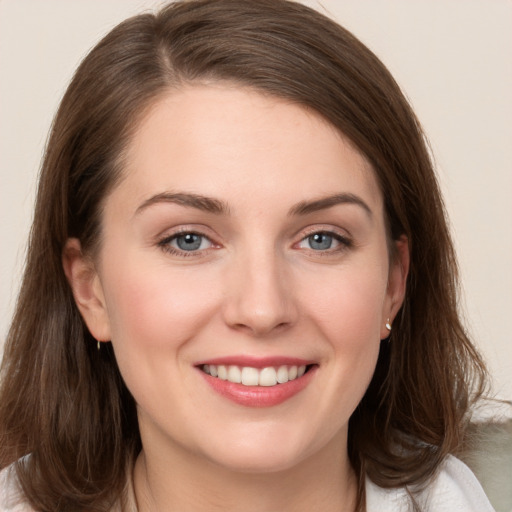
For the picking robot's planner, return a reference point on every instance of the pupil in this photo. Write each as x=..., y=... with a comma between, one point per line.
x=189, y=242
x=320, y=241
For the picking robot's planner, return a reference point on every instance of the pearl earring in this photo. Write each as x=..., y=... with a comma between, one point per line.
x=388, y=325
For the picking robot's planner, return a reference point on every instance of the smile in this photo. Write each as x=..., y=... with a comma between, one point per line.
x=258, y=382
x=250, y=376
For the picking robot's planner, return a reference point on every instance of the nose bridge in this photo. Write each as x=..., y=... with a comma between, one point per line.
x=259, y=298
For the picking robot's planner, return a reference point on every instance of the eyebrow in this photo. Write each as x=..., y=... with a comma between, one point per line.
x=203, y=203
x=218, y=207
x=306, y=207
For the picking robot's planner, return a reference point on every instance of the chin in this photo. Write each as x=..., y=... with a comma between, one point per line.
x=250, y=463
x=270, y=454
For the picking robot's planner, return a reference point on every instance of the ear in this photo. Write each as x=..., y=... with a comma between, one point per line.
x=87, y=290
x=397, y=280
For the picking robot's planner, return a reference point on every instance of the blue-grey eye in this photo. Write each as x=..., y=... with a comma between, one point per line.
x=190, y=242
x=320, y=241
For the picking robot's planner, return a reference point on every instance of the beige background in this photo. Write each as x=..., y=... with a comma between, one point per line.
x=453, y=59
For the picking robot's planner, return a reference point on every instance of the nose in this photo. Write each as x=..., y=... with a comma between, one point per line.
x=259, y=298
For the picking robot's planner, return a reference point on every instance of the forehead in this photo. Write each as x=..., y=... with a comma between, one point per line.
x=218, y=138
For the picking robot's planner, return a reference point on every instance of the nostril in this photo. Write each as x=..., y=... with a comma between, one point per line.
x=257, y=301
x=260, y=327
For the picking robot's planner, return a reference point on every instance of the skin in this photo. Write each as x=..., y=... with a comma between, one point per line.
x=255, y=286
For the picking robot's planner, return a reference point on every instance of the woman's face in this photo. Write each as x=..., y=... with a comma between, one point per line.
x=246, y=241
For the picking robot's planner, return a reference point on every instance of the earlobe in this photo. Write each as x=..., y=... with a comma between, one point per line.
x=397, y=282
x=87, y=290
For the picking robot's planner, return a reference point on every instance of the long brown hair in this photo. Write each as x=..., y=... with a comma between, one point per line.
x=64, y=404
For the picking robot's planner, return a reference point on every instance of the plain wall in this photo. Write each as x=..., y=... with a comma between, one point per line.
x=452, y=58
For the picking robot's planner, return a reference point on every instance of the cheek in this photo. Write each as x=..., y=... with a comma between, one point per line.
x=348, y=308
x=153, y=313
x=346, y=313
x=149, y=305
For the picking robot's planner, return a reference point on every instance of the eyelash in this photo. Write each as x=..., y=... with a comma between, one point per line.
x=164, y=244
x=344, y=241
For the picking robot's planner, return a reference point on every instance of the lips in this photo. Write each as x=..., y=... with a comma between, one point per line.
x=257, y=382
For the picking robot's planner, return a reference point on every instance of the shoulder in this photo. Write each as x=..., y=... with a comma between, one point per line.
x=10, y=495
x=454, y=489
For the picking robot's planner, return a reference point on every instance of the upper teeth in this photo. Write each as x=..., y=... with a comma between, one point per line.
x=249, y=376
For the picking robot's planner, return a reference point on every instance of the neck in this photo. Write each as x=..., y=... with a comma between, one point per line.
x=324, y=481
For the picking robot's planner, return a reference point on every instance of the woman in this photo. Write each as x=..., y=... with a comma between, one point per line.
x=240, y=288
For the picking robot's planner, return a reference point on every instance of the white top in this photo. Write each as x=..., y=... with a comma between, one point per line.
x=455, y=489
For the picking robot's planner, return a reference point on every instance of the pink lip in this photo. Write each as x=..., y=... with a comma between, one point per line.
x=258, y=396
x=256, y=362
